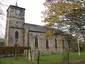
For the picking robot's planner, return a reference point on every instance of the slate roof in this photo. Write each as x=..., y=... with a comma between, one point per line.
x=38, y=28
x=33, y=27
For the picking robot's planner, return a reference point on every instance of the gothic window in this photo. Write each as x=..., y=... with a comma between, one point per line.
x=16, y=35
x=63, y=43
x=55, y=42
x=28, y=38
x=47, y=45
x=36, y=41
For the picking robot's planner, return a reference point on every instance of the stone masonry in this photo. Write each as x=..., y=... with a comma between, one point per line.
x=23, y=34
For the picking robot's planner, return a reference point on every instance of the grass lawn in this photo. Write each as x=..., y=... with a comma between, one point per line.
x=75, y=56
x=56, y=58
x=44, y=59
x=19, y=60
x=50, y=58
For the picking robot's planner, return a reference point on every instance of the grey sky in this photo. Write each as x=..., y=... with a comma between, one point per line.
x=32, y=13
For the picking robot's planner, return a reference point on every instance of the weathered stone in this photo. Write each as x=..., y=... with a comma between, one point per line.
x=27, y=33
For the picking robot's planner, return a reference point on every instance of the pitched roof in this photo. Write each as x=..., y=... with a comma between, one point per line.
x=38, y=28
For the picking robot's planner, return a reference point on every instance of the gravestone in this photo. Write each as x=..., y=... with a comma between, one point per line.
x=35, y=56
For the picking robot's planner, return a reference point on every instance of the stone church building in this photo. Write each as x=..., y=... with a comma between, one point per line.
x=24, y=34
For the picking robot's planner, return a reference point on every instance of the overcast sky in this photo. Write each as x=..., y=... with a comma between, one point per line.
x=32, y=12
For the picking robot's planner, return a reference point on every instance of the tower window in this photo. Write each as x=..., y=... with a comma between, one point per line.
x=55, y=43
x=16, y=38
x=47, y=45
x=36, y=41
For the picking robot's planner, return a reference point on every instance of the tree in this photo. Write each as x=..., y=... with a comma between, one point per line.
x=62, y=15
x=68, y=16
x=1, y=9
x=2, y=14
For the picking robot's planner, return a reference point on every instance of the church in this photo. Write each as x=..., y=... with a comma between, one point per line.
x=24, y=34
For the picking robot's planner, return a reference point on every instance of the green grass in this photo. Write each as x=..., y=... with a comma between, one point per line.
x=50, y=59
x=75, y=56
x=56, y=58
x=19, y=60
x=44, y=59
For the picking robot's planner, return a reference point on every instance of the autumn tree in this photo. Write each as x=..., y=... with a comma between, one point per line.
x=66, y=16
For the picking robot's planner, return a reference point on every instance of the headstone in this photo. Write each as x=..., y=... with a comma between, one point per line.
x=29, y=55
x=35, y=56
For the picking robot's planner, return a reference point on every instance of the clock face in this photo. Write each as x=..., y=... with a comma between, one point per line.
x=17, y=12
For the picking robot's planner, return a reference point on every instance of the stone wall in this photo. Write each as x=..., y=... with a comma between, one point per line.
x=15, y=22
x=42, y=43
x=12, y=40
x=31, y=31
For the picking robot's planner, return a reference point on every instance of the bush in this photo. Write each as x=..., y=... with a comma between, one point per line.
x=12, y=51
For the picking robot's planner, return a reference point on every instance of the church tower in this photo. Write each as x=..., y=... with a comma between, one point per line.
x=15, y=26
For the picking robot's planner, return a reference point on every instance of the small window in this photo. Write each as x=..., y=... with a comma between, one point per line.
x=36, y=41
x=47, y=45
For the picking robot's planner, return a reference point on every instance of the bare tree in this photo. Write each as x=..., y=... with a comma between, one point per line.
x=2, y=16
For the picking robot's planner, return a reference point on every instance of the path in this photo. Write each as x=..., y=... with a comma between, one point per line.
x=79, y=61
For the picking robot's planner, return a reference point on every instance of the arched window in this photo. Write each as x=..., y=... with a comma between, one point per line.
x=47, y=45
x=36, y=41
x=63, y=44
x=55, y=42
x=16, y=35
